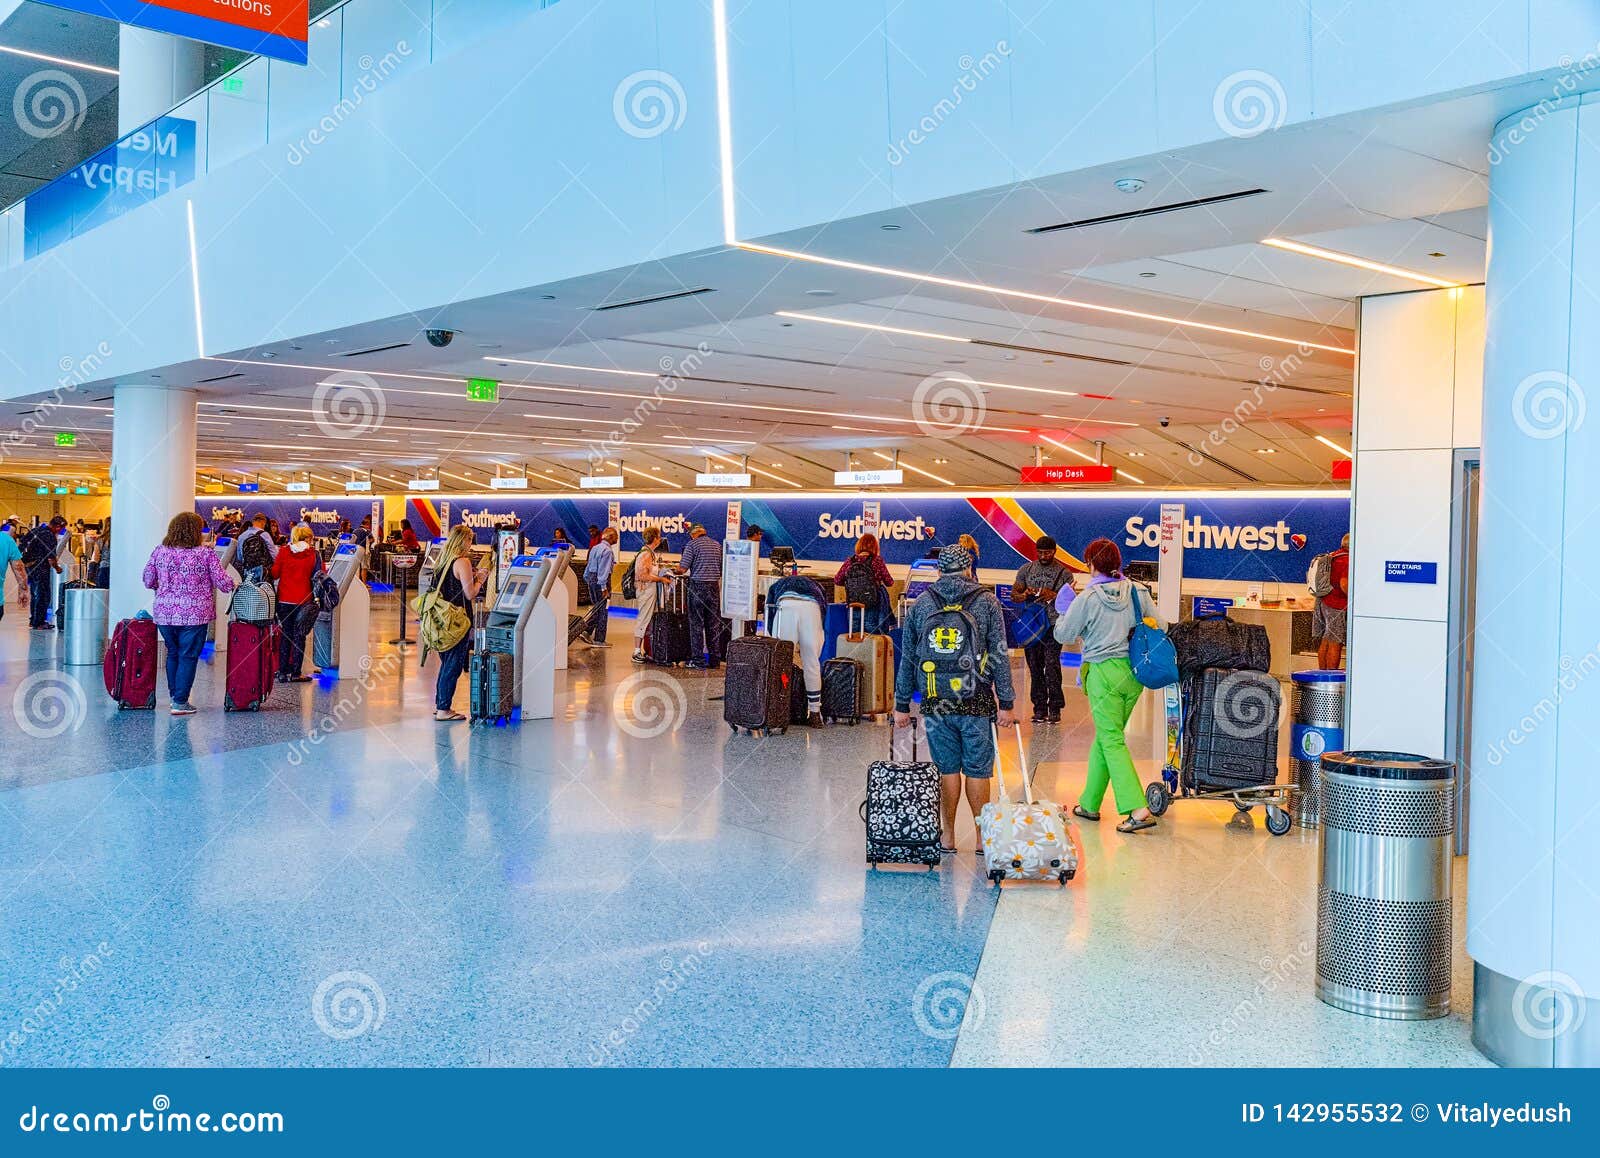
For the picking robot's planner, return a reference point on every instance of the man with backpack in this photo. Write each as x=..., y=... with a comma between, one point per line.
x=1329, y=581
x=954, y=656
x=256, y=550
x=40, y=548
x=1040, y=581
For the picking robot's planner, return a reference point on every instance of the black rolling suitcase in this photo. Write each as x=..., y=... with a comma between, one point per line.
x=669, y=626
x=755, y=695
x=841, y=690
x=901, y=810
x=492, y=678
x=799, y=710
x=1230, y=729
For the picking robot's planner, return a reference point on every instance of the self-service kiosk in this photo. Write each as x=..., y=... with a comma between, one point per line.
x=559, y=588
x=523, y=623
x=341, y=641
x=430, y=563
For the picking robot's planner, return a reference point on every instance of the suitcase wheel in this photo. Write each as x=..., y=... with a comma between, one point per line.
x=734, y=728
x=996, y=876
x=1064, y=875
x=1243, y=805
x=1157, y=797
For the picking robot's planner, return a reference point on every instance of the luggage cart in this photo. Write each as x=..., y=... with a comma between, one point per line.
x=1176, y=784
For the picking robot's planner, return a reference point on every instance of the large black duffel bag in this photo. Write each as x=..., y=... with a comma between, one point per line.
x=1220, y=642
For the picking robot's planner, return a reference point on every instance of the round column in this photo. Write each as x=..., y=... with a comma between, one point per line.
x=1534, y=871
x=156, y=72
x=152, y=479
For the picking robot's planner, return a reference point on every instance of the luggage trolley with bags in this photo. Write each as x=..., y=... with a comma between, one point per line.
x=1229, y=707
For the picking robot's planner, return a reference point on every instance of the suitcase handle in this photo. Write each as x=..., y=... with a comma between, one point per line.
x=850, y=621
x=1022, y=753
x=892, y=730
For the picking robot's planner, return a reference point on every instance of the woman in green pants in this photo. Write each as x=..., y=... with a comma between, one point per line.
x=1101, y=618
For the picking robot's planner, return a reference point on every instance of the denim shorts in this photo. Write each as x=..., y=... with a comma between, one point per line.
x=961, y=744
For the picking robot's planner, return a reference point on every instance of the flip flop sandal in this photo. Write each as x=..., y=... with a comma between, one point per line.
x=450, y=719
x=1132, y=825
x=1083, y=813
x=947, y=850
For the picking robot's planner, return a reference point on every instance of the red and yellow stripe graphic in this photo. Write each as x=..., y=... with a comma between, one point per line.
x=1007, y=519
x=426, y=519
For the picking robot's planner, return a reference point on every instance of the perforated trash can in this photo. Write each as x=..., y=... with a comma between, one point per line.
x=83, y=640
x=1316, y=712
x=1384, y=922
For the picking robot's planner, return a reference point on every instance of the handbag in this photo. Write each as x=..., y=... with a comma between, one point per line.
x=1150, y=652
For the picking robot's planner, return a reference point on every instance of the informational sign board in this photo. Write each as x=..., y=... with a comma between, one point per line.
x=297, y=488
x=1210, y=607
x=422, y=484
x=249, y=488
x=739, y=563
x=66, y=438
x=1088, y=473
x=613, y=513
x=483, y=390
x=871, y=516
x=868, y=478
x=277, y=29
x=1402, y=571
x=358, y=485
x=722, y=481
x=1169, y=600
x=509, y=483
x=735, y=510
x=601, y=482
x=377, y=519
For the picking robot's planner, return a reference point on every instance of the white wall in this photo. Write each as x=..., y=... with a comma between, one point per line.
x=1419, y=396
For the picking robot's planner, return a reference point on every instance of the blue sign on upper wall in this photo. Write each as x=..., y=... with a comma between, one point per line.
x=147, y=163
x=275, y=28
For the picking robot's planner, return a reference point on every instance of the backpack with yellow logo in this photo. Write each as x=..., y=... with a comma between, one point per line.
x=953, y=663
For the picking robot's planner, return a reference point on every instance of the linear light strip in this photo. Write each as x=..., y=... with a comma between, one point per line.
x=882, y=329
x=62, y=60
x=194, y=278
x=754, y=469
x=1332, y=445
x=1025, y=295
x=904, y=465
x=1351, y=259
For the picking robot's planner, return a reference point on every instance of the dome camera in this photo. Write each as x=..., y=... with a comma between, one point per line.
x=1165, y=422
x=441, y=338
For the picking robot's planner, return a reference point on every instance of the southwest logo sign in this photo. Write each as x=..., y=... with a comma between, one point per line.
x=275, y=28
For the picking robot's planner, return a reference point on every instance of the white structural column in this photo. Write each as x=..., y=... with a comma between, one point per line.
x=1419, y=397
x=1534, y=870
x=152, y=479
x=157, y=71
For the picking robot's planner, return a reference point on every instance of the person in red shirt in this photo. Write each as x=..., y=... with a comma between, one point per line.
x=297, y=611
x=408, y=537
x=1328, y=622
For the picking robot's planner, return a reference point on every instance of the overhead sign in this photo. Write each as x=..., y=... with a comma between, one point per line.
x=734, y=520
x=42, y=491
x=353, y=485
x=868, y=478
x=1402, y=571
x=275, y=28
x=483, y=390
x=601, y=482
x=149, y=162
x=1343, y=470
x=249, y=488
x=871, y=516
x=722, y=481
x=509, y=483
x=297, y=488
x=66, y=438
x=1088, y=473
x=423, y=484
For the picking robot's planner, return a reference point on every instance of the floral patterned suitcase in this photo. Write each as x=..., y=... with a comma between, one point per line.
x=901, y=810
x=1027, y=839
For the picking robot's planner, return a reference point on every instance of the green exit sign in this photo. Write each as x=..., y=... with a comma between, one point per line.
x=233, y=84
x=42, y=491
x=66, y=438
x=483, y=390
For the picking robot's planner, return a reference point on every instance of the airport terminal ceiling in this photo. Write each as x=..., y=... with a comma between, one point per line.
x=1148, y=312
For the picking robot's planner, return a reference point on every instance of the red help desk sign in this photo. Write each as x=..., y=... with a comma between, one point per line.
x=275, y=28
x=1088, y=473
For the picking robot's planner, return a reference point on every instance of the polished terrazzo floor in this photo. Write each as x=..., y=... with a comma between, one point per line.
x=340, y=881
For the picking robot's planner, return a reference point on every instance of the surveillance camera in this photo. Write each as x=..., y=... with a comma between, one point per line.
x=1165, y=422
x=441, y=338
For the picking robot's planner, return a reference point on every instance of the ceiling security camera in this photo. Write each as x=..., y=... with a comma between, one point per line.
x=1165, y=421
x=441, y=338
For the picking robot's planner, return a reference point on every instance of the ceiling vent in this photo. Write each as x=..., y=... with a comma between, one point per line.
x=220, y=378
x=374, y=350
x=1151, y=211
x=652, y=300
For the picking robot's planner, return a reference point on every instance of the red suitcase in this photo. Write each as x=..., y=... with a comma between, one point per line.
x=130, y=665
x=252, y=665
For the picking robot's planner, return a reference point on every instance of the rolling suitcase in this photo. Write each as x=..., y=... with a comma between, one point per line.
x=322, y=641
x=669, y=626
x=875, y=654
x=129, y=666
x=1027, y=839
x=252, y=665
x=491, y=676
x=901, y=810
x=1230, y=729
x=841, y=691
x=756, y=692
x=799, y=709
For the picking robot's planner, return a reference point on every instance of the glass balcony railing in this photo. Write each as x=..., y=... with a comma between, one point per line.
x=355, y=49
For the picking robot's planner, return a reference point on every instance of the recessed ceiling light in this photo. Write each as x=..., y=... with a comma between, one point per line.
x=940, y=461
x=488, y=345
x=1136, y=454
x=268, y=354
x=1436, y=253
x=890, y=227
x=775, y=464
x=1147, y=273
x=1266, y=450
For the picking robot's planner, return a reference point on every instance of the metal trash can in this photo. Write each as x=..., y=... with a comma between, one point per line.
x=1384, y=920
x=1316, y=712
x=83, y=640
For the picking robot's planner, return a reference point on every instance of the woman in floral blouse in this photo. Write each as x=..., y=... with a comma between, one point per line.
x=183, y=573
